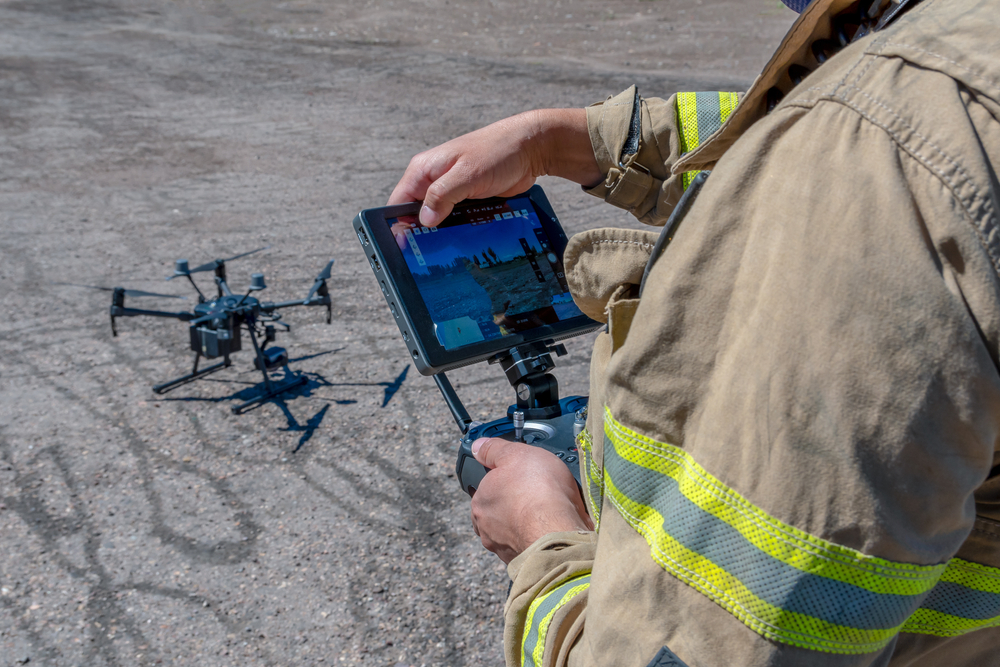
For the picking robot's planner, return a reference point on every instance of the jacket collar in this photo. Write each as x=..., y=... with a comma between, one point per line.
x=813, y=24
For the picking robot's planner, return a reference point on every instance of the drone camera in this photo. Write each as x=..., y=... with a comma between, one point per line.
x=273, y=358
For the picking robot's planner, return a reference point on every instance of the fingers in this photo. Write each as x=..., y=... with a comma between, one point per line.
x=494, y=160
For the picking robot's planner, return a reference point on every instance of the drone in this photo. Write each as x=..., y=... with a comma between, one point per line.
x=215, y=325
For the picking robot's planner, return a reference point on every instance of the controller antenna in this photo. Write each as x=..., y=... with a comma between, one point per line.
x=458, y=410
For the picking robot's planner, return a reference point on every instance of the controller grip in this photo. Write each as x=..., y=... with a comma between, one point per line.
x=555, y=435
x=469, y=471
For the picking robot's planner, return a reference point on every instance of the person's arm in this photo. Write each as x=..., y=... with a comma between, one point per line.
x=622, y=150
x=502, y=159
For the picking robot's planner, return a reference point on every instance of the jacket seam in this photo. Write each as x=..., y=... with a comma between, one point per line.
x=871, y=57
x=966, y=177
x=843, y=81
x=927, y=163
x=864, y=55
x=637, y=243
x=994, y=84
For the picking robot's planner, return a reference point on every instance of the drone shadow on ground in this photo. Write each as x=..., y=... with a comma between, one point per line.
x=390, y=388
x=313, y=382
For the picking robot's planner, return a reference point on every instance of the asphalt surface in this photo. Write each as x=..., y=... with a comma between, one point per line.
x=326, y=527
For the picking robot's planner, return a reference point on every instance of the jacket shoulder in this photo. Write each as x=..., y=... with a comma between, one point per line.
x=956, y=37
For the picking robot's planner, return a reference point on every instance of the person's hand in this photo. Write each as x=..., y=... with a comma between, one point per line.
x=527, y=493
x=502, y=159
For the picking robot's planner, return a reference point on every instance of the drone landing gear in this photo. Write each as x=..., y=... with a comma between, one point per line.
x=193, y=375
x=269, y=359
x=271, y=390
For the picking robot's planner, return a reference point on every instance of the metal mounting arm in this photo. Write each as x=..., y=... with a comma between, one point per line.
x=526, y=367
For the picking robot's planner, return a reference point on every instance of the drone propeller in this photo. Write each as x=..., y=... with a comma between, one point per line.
x=128, y=292
x=211, y=266
x=320, y=279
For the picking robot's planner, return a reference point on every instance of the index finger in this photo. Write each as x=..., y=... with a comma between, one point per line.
x=423, y=170
x=410, y=188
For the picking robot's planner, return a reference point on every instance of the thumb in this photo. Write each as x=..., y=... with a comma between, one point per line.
x=490, y=451
x=452, y=187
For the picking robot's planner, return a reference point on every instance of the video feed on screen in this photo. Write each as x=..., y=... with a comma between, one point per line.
x=486, y=272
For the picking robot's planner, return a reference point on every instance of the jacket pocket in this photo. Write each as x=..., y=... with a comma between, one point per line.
x=621, y=311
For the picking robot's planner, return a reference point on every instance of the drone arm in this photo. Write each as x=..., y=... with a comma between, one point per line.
x=191, y=280
x=118, y=311
x=315, y=301
x=221, y=282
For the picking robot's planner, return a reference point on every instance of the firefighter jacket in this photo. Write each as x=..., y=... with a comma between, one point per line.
x=792, y=446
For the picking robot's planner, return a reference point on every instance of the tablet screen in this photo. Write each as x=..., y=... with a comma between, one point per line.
x=487, y=271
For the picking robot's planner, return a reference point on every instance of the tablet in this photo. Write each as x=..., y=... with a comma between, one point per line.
x=488, y=278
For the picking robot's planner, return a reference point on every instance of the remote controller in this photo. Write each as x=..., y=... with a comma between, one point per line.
x=557, y=435
x=539, y=417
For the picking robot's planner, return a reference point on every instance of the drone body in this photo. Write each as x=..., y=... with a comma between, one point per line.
x=216, y=325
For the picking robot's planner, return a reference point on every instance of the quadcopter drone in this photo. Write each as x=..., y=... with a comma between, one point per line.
x=215, y=325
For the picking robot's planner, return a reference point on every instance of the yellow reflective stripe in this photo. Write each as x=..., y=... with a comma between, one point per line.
x=781, y=582
x=699, y=116
x=728, y=591
x=779, y=540
x=594, y=488
x=540, y=614
x=687, y=121
x=972, y=575
x=965, y=599
x=939, y=624
x=727, y=104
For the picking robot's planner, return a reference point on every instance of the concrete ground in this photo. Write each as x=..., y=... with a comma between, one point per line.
x=326, y=527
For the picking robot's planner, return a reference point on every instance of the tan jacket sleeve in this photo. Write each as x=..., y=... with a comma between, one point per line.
x=636, y=179
x=548, y=596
